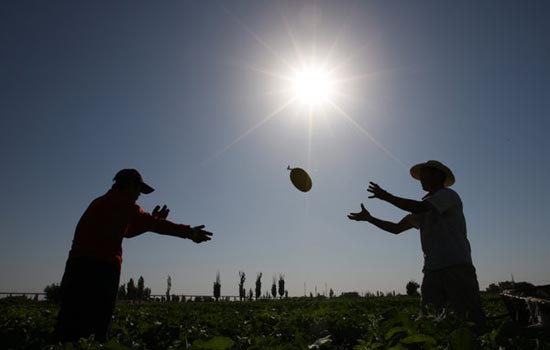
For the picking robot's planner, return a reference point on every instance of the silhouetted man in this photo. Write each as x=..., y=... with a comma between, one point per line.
x=90, y=282
x=449, y=276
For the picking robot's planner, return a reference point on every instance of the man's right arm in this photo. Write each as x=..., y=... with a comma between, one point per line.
x=144, y=222
x=395, y=228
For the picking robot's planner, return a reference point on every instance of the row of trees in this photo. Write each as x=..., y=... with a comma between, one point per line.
x=277, y=286
x=138, y=292
x=131, y=291
x=507, y=285
x=495, y=288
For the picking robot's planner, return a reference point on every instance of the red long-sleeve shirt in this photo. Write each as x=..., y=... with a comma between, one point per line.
x=108, y=220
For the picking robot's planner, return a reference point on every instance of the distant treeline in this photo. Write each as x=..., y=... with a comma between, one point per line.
x=130, y=291
x=507, y=285
x=139, y=292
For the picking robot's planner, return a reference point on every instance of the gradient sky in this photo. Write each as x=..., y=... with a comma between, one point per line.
x=186, y=92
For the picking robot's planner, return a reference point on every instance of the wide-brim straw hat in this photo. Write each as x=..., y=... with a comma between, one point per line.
x=449, y=176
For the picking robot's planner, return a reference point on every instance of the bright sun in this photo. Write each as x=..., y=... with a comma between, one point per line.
x=318, y=85
x=312, y=86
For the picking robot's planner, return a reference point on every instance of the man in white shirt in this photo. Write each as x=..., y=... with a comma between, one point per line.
x=450, y=279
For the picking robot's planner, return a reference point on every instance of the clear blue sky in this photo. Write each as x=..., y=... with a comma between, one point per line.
x=182, y=91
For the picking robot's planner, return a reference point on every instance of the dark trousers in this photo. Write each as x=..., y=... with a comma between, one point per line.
x=88, y=296
x=455, y=288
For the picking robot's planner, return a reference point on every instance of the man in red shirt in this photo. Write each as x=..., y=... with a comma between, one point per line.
x=90, y=282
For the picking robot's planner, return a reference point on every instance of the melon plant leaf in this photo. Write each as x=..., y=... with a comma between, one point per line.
x=418, y=338
x=216, y=343
x=395, y=331
x=463, y=339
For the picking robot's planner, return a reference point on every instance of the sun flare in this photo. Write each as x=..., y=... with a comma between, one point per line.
x=311, y=83
x=312, y=86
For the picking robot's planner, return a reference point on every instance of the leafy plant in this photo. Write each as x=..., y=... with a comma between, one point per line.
x=326, y=324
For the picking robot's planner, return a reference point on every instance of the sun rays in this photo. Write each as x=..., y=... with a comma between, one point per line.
x=310, y=80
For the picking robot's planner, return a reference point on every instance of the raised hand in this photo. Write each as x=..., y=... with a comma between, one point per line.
x=377, y=191
x=160, y=213
x=363, y=215
x=199, y=235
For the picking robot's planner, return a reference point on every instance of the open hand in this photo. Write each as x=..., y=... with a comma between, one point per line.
x=377, y=191
x=160, y=213
x=199, y=235
x=363, y=215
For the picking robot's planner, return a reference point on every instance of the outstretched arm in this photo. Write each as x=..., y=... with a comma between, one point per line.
x=395, y=228
x=197, y=234
x=409, y=205
x=156, y=222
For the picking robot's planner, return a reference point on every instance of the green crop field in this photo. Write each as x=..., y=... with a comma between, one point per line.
x=359, y=324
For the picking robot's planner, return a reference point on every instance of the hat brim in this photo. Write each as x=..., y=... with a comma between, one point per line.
x=449, y=176
x=146, y=189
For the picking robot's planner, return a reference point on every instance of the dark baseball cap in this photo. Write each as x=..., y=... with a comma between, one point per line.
x=128, y=176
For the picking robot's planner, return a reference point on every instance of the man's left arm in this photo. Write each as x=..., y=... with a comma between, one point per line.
x=410, y=205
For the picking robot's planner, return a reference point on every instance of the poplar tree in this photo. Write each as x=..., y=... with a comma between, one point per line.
x=281, y=286
x=131, y=290
x=274, y=288
x=242, y=291
x=217, y=287
x=258, y=286
x=168, y=287
x=140, y=288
